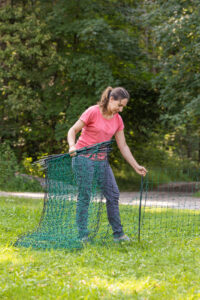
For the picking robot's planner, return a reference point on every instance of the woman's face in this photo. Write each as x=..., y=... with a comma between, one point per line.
x=116, y=106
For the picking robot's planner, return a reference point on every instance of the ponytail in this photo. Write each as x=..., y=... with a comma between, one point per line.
x=105, y=96
x=118, y=93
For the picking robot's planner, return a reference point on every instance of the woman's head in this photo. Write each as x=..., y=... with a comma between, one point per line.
x=114, y=99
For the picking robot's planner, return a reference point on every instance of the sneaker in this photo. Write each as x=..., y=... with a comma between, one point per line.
x=123, y=238
x=85, y=239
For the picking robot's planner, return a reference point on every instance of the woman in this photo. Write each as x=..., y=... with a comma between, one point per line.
x=99, y=123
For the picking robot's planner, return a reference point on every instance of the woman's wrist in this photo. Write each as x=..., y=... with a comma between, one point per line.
x=72, y=150
x=135, y=166
x=71, y=145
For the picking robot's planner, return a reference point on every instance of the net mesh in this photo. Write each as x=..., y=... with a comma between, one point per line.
x=171, y=208
x=74, y=204
x=81, y=203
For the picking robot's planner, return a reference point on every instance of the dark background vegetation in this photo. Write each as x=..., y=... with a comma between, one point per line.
x=56, y=58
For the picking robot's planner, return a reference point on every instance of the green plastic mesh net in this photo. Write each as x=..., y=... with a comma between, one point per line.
x=170, y=205
x=77, y=207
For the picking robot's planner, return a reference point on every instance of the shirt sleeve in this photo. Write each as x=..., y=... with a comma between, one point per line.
x=120, y=123
x=87, y=115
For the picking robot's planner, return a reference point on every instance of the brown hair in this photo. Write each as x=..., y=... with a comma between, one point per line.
x=117, y=93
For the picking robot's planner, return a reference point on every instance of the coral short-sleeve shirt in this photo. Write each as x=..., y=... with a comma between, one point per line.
x=97, y=129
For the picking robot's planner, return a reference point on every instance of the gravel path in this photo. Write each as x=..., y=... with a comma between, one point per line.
x=152, y=199
x=23, y=195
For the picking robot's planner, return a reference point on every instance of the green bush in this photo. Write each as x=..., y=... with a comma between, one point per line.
x=163, y=167
x=10, y=179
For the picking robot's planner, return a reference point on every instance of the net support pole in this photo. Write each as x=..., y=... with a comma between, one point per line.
x=140, y=209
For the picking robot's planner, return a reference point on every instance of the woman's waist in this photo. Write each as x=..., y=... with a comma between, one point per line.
x=95, y=156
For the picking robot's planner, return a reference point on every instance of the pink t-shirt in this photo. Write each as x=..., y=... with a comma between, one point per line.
x=97, y=129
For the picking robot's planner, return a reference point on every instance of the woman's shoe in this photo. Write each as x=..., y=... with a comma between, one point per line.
x=85, y=239
x=123, y=238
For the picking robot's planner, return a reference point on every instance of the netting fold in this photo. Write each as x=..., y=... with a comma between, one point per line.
x=73, y=202
x=82, y=202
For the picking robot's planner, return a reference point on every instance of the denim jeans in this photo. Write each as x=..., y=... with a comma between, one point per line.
x=88, y=173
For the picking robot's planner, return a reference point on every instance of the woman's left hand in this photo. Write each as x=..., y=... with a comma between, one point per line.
x=141, y=170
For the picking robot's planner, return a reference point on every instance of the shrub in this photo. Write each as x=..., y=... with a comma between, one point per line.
x=10, y=179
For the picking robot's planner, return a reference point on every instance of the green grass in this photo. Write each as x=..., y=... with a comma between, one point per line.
x=197, y=194
x=20, y=184
x=155, y=268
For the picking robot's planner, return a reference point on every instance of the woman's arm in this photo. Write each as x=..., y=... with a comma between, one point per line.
x=125, y=151
x=71, y=137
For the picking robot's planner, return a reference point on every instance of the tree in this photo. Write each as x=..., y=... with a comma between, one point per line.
x=28, y=59
x=56, y=59
x=174, y=38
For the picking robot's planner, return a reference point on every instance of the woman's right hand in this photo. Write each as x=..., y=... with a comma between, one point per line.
x=72, y=151
x=141, y=170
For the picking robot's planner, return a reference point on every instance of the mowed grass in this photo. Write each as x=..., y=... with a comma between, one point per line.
x=155, y=268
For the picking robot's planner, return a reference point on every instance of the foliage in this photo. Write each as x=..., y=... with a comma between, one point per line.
x=9, y=168
x=173, y=44
x=31, y=168
x=56, y=57
x=154, y=268
x=57, y=63
x=28, y=61
x=178, y=41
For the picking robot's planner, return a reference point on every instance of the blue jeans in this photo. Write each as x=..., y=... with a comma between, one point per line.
x=89, y=173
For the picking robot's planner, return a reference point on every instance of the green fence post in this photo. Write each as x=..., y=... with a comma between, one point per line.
x=140, y=208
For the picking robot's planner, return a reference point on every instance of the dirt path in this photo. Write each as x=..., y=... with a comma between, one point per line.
x=152, y=199
x=23, y=195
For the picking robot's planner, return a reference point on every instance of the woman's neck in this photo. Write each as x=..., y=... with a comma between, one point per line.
x=107, y=115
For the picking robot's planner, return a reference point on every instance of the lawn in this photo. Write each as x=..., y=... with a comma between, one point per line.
x=197, y=194
x=156, y=268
